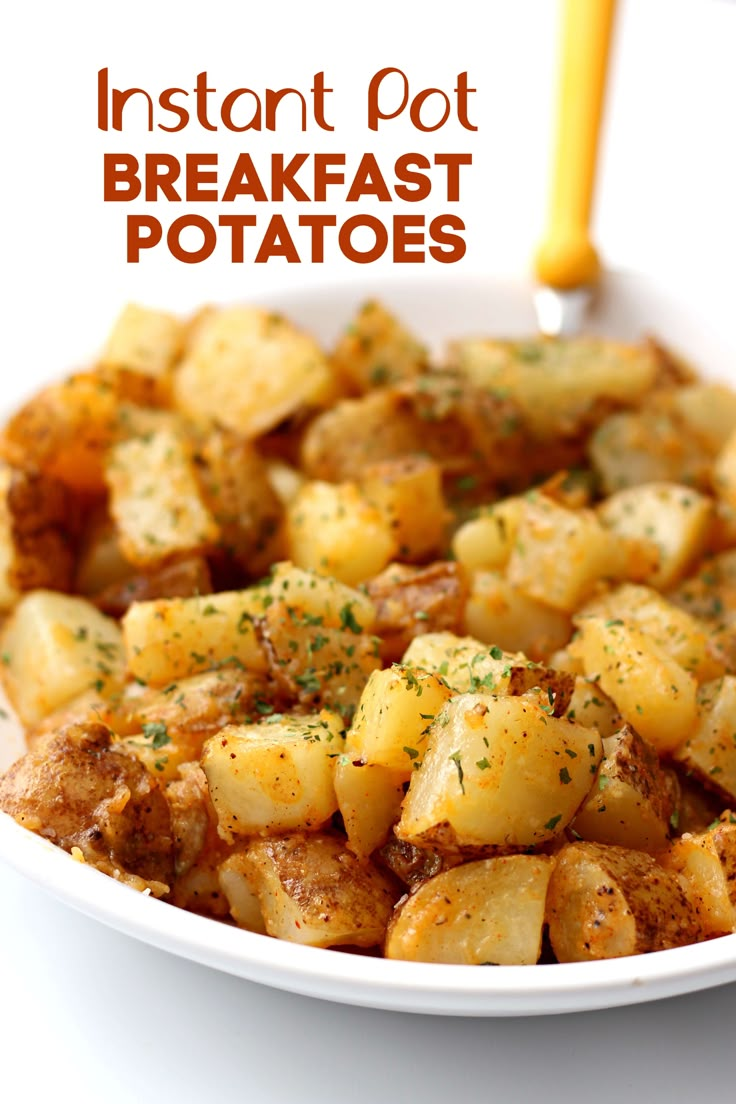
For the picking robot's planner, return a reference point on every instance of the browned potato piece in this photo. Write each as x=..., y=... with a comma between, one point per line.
x=242, y=501
x=710, y=750
x=36, y=516
x=487, y=913
x=313, y=890
x=607, y=902
x=376, y=350
x=79, y=790
x=414, y=865
x=100, y=561
x=242, y=901
x=64, y=431
x=408, y=493
x=143, y=347
x=193, y=819
x=412, y=601
x=499, y=772
x=630, y=804
x=184, y=579
x=695, y=859
x=646, y=446
x=723, y=837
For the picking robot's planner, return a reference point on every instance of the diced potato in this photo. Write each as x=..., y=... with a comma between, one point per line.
x=172, y=638
x=411, y=601
x=646, y=446
x=274, y=776
x=560, y=555
x=244, y=907
x=185, y=578
x=467, y=665
x=392, y=720
x=681, y=636
x=317, y=599
x=312, y=890
x=143, y=341
x=499, y=771
x=724, y=471
x=369, y=799
x=651, y=690
x=332, y=528
x=559, y=381
x=711, y=592
x=589, y=706
x=707, y=411
x=486, y=913
x=675, y=518
x=607, y=902
x=242, y=501
x=55, y=647
x=485, y=542
x=695, y=860
x=710, y=750
x=155, y=499
x=376, y=350
x=499, y=613
x=35, y=550
x=248, y=370
x=65, y=431
x=630, y=804
x=723, y=839
x=408, y=494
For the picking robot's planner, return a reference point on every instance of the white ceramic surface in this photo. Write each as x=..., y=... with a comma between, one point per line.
x=438, y=309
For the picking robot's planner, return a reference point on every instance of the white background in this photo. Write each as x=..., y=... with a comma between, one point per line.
x=86, y=1014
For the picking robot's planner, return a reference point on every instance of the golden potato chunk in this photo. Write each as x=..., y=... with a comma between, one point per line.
x=485, y=543
x=499, y=613
x=709, y=752
x=146, y=342
x=696, y=861
x=312, y=890
x=607, y=902
x=376, y=350
x=274, y=776
x=486, y=913
x=408, y=494
x=412, y=601
x=369, y=798
x=500, y=772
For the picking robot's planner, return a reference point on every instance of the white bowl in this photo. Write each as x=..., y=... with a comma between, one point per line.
x=628, y=306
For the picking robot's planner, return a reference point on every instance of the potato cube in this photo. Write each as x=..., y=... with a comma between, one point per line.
x=172, y=638
x=695, y=860
x=155, y=499
x=369, y=799
x=376, y=350
x=393, y=717
x=630, y=804
x=316, y=599
x=710, y=749
x=332, y=528
x=144, y=341
x=244, y=906
x=589, y=706
x=486, y=913
x=35, y=550
x=273, y=776
x=55, y=647
x=499, y=613
x=485, y=542
x=248, y=369
x=412, y=601
x=673, y=517
x=313, y=891
x=498, y=771
x=651, y=690
x=607, y=902
x=560, y=555
x=408, y=494
x=646, y=446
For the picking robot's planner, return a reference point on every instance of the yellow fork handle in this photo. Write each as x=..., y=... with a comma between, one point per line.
x=566, y=257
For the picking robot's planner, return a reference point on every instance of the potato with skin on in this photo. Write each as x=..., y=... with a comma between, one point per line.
x=274, y=776
x=55, y=647
x=144, y=345
x=683, y=637
x=242, y=901
x=248, y=369
x=560, y=555
x=675, y=518
x=411, y=601
x=608, y=902
x=695, y=859
x=375, y=350
x=173, y=638
x=408, y=494
x=186, y=578
x=155, y=499
x=35, y=543
x=313, y=890
x=651, y=690
x=709, y=752
x=499, y=613
x=489, y=912
x=499, y=772
x=468, y=665
x=630, y=804
x=369, y=798
x=394, y=715
x=334, y=529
